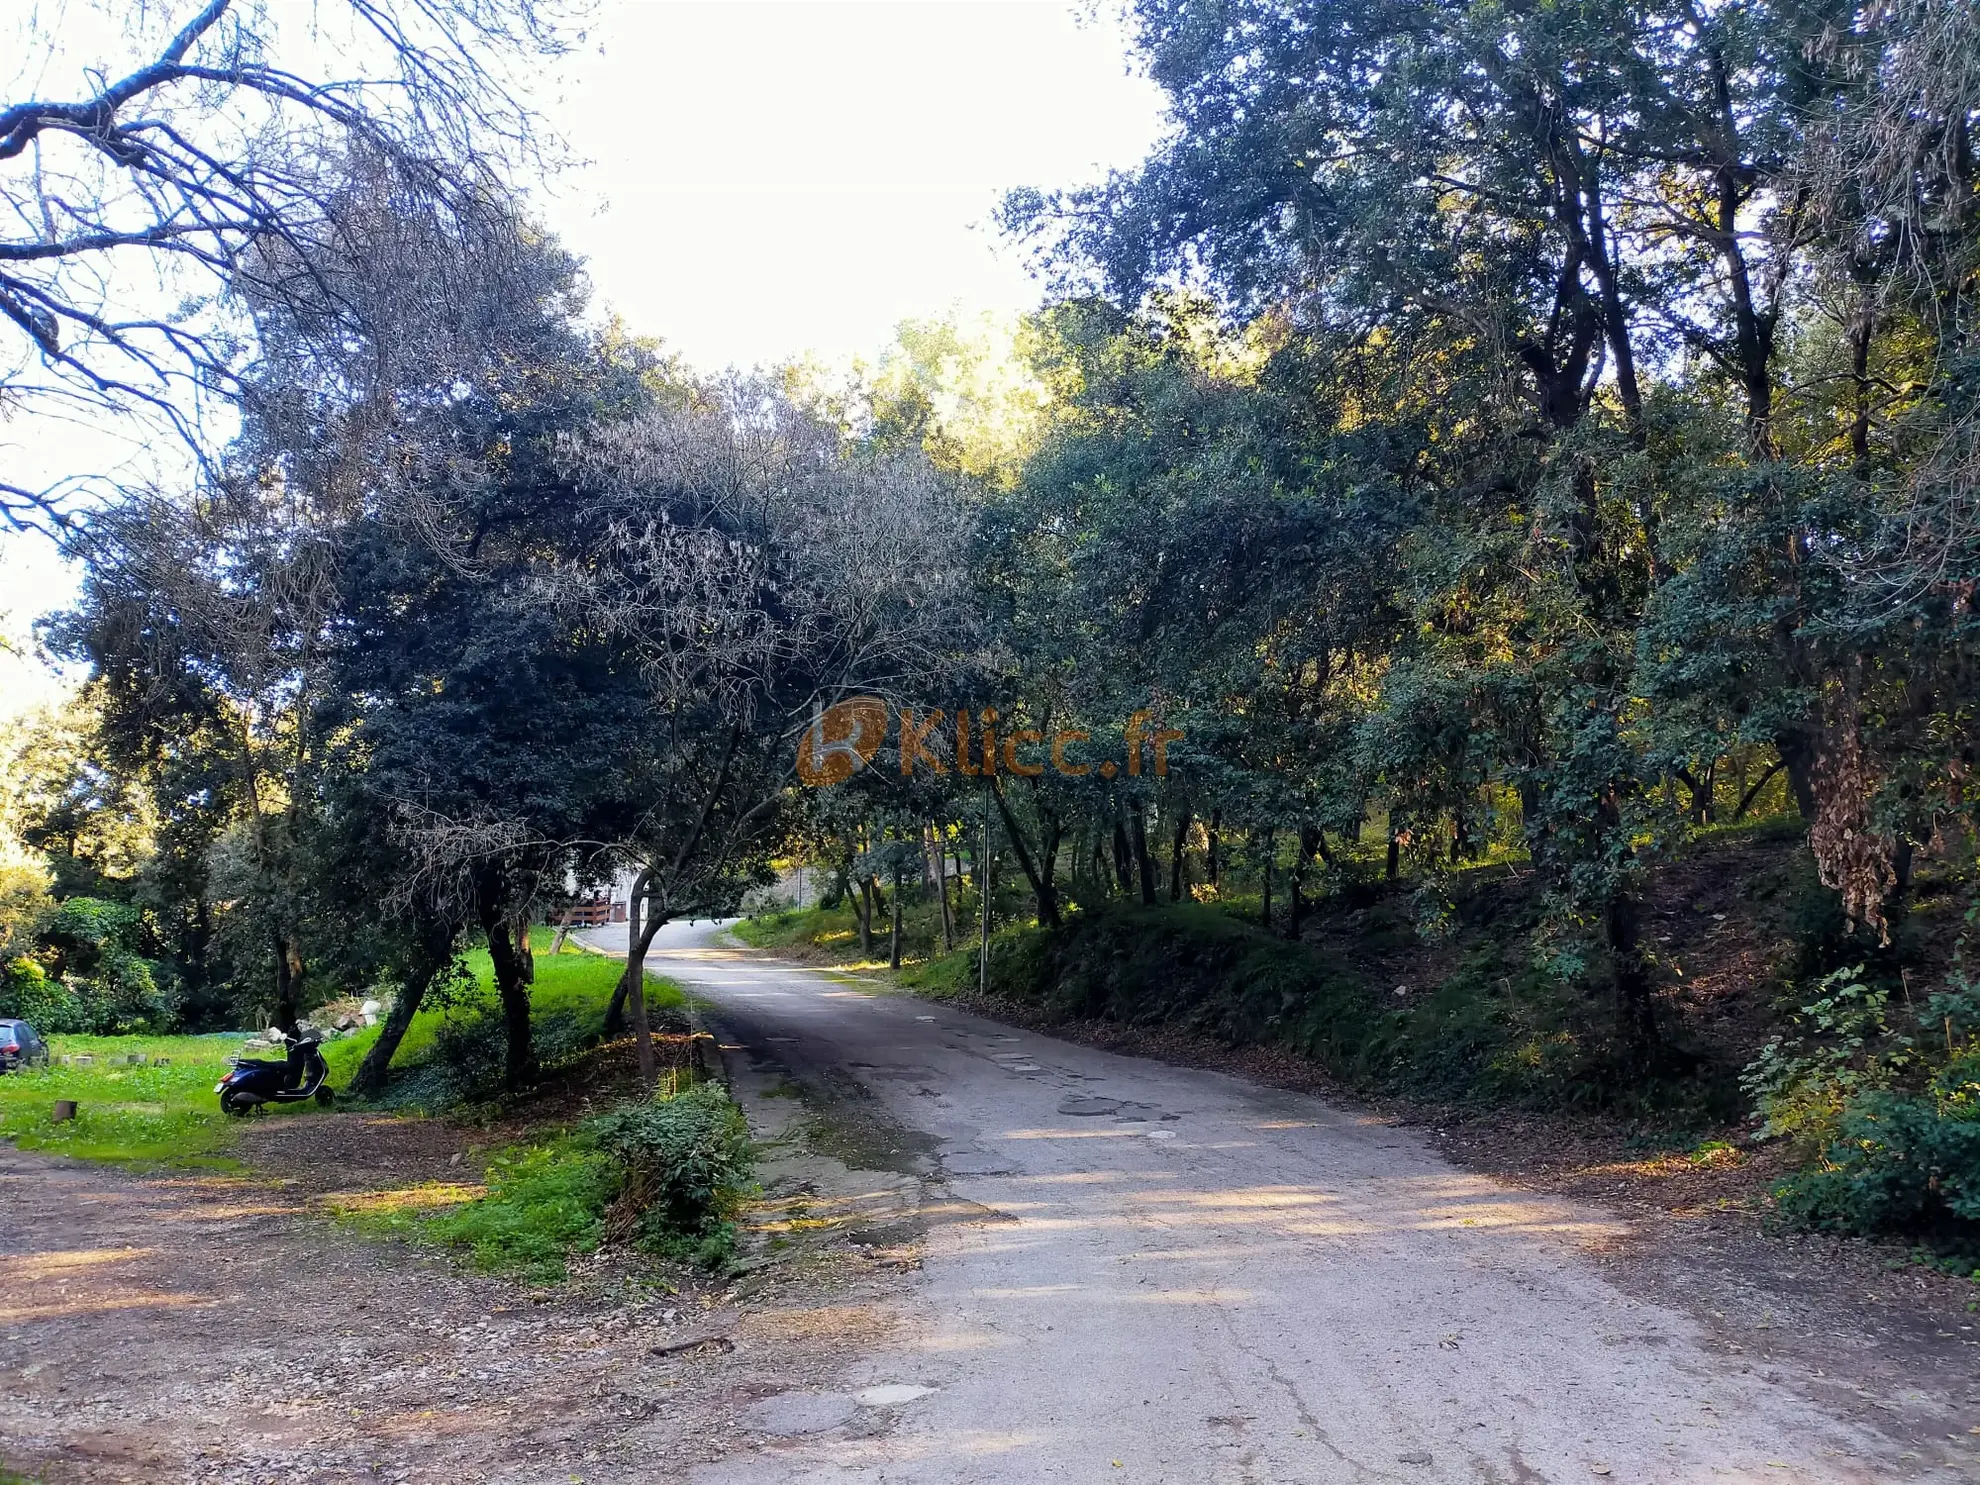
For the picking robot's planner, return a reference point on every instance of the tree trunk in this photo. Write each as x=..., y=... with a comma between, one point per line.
x=1636, y=1012
x=1043, y=887
x=431, y=957
x=525, y=956
x=615, y=1013
x=894, y=928
x=636, y=996
x=372, y=1072
x=519, y=1060
x=288, y=983
x=1797, y=750
x=1121, y=856
x=1179, y=856
x=1213, y=858
x=1144, y=863
x=1393, y=866
x=1265, y=906
x=941, y=845
x=866, y=917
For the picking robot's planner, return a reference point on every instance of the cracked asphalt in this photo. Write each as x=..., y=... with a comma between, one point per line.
x=1139, y=1272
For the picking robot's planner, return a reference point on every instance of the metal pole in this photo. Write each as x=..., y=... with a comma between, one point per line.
x=983, y=887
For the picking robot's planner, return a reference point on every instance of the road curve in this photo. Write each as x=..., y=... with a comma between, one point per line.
x=1137, y=1272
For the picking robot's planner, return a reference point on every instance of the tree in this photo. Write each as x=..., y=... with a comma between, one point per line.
x=209, y=140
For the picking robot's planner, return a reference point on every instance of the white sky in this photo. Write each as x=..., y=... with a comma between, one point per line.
x=771, y=178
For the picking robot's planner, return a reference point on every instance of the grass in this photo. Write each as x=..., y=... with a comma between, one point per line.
x=536, y=1206
x=143, y=1114
x=151, y=1115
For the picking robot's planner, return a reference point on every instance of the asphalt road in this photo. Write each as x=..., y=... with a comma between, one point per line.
x=1137, y=1272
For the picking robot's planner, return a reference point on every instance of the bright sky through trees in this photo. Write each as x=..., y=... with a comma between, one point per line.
x=769, y=180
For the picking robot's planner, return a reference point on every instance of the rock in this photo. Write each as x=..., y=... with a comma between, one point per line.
x=792, y=1413
x=372, y=1008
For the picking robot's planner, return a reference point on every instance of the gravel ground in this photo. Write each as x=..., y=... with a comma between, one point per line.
x=171, y=1329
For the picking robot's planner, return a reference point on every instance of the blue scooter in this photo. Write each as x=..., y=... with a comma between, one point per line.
x=299, y=1077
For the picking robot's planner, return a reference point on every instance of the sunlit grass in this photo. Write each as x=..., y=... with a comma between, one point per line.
x=141, y=1113
x=144, y=1113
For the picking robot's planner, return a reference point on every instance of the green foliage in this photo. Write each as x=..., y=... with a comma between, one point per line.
x=672, y=1174
x=1891, y=1124
x=544, y=1202
x=1901, y=1164
x=686, y=1162
x=24, y=905
x=107, y=986
x=143, y=1114
x=1495, y=1032
x=1844, y=1046
x=48, y=1005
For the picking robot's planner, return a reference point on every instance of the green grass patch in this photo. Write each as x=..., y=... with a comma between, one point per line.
x=148, y=1114
x=452, y=1048
x=671, y=1173
x=142, y=1113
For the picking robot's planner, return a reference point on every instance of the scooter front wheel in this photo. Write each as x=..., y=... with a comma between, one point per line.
x=326, y=1096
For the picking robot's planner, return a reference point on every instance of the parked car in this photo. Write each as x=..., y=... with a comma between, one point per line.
x=21, y=1046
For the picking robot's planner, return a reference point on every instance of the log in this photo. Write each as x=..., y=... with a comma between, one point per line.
x=65, y=1110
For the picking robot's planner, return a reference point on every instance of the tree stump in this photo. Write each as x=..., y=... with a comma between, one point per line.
x=65, y=1110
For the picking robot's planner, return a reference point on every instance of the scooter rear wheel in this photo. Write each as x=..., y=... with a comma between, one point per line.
x=240, y=1108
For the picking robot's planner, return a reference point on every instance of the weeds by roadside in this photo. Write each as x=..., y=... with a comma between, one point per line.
x=668, y=1176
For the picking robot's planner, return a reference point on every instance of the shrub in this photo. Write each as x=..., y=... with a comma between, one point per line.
x=685, y=1164
x=28, y=993
x=1901, y=1164
x=467, y=1058
x=1843, y=1045
x=544, y=1202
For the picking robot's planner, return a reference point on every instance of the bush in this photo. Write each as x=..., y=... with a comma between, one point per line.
x=26, y=992
x=685, y=1164
x=1901, y=1164
x=468, y=1058
x=1497, y=1031
x=1890, y=1126
x=544, y=1202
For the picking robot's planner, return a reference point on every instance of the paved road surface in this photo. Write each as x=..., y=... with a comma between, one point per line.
x=1137, y=1272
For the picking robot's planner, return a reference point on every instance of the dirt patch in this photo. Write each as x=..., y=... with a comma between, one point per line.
x=169, y=1328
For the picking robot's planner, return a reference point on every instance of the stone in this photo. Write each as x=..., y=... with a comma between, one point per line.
x=790, y=1414
x=372, y=1008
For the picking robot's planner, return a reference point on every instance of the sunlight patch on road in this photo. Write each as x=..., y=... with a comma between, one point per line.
x=40, y=1285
